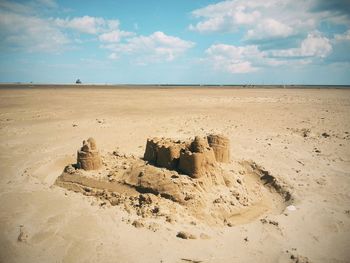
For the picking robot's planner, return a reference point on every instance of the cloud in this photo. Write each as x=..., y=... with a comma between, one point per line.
x=281, y=33
x=343, y=37
x=268, y=19
x=107, y=30
x=88, y=24
x=314, y=45
x=338, y=6
x=233, y=59
x=269, y=28
x=223, y=17
x=244, y=59
x=341, y=47
x=15, y=7
x=156, y=47
x=30, y=33
x=21, y=29
x=33, y=34
x=28, y=7
x=211, y=25
x=114, y=36
x=113, y=56
x=48, y=3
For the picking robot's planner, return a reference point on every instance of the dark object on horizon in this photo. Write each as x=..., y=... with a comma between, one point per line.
x=78, y=81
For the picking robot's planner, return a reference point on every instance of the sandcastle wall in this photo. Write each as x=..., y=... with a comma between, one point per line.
x=163, y=152
x=151, y=150
x=193, y=159
x=88, y=157
x=197, y=159
x=196, y=164
x=221, y=146
x=168, y=157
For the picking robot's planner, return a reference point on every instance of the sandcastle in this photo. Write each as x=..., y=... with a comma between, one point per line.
x=192, y=158
x=183, y=178
x=88, y=157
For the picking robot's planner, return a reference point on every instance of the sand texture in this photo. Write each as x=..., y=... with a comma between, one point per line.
x=273, y=188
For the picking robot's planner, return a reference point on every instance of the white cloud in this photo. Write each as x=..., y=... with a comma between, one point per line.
x=340, y=48
x=242, y=17
x=87, y=24
x=16, y=7
x=113, y=56
x=314, y=45
x=240, y=67
x=28, y=7
x=265, y=19
x=30, y=33
x=269, y=25
x=33, y=33
x=210, y=25
x=48, y=3
x=223, y=17
x=343, y=37
x=153, y=48
x=268, y=28
x=229, y=7
x=114, y=36
x=245, y=59
x=22, y=28
x=233, y=59
x=107, y=30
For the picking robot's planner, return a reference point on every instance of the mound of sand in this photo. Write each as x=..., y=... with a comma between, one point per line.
x=189, y=180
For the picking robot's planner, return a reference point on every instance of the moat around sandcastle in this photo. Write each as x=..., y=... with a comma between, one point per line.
x=194, y=180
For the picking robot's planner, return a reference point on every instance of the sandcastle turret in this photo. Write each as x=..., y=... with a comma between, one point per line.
x=151, y=150
x=221, y=147
x=199, y=145
x=88, y=156
x=196, y=160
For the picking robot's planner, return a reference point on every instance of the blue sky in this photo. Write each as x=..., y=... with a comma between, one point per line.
x=183, y=41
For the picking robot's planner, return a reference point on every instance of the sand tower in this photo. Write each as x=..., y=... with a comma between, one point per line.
x=221, y=147
x=88, y=156
x=198, y=159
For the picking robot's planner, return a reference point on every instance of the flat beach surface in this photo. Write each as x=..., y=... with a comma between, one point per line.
x=301, y=136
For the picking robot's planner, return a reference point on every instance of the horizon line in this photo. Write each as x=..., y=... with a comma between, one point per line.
x=165, y=84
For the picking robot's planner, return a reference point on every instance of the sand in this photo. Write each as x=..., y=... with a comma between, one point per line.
x=299, y=139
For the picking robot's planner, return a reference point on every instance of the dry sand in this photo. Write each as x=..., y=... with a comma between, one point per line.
x=301, y=137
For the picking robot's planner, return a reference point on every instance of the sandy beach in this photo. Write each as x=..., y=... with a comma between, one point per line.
x=300, y=136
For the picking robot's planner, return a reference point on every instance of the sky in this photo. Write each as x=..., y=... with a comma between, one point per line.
x=176, y=42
